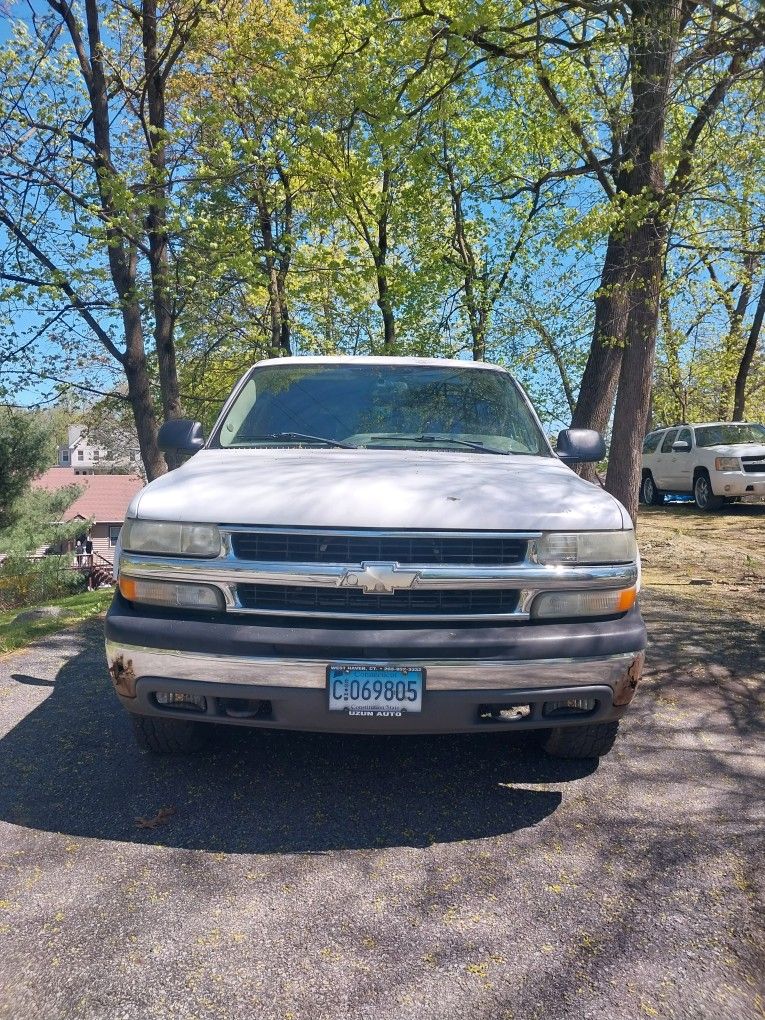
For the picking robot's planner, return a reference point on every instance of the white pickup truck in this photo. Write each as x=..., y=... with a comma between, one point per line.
x=377, y=545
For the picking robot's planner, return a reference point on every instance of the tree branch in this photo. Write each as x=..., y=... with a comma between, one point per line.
x=58, y=280
x=576, y=129
x=702, y=119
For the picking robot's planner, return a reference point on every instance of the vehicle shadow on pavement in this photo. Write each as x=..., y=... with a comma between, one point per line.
x=71, y=766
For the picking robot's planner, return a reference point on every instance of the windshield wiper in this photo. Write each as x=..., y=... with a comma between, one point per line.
x=301, y=436
x=478, y=447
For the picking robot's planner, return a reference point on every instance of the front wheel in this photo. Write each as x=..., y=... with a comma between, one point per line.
x=169, y=736
x=702, y=493
x=592, y=741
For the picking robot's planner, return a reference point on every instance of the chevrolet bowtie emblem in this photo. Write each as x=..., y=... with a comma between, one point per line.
x=380, y=578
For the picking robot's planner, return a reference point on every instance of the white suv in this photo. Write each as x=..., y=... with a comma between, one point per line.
x=717, y=461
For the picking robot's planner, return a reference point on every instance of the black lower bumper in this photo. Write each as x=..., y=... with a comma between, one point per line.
x=216, y=634
x=442, y=711
x=477, y=677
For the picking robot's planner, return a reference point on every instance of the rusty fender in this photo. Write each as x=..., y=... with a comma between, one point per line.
x=123, y=676
x=626, y=685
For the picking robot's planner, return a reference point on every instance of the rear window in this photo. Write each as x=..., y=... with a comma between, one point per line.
x=651, y=441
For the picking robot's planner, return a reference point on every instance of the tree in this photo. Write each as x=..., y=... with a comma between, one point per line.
x=707, y=342
x=86, y=202
x=26, y=448
x=653, y=58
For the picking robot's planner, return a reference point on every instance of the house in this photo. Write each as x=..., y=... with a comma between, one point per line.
x=83, y=454
x=104, y=500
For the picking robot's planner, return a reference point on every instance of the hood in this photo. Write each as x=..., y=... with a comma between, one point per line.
x=333, y=488
x=737, y=449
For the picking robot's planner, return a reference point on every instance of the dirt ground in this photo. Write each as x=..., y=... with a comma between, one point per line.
x=715, y=559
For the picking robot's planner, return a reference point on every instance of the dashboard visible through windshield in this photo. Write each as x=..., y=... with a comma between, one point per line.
x=382, y=406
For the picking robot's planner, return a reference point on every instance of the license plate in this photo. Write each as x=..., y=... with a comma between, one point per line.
x=375, y=690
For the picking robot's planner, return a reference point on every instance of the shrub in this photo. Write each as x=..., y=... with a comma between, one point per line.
x=29, y=582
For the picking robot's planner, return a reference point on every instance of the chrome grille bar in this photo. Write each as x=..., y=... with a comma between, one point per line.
x=236, y=577
x=520, y=575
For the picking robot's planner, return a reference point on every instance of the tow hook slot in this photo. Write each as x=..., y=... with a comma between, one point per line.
x=245, y=708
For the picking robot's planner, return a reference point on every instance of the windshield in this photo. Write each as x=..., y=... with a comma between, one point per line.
x=393, y=406
x=729, y=435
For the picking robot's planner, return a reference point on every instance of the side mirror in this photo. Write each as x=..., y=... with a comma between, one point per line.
x=683, y=446
x=580, y=446
x=181, y=435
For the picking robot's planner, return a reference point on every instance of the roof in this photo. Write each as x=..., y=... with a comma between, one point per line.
x=357, y=359
x=699, y=425
x=105, y=498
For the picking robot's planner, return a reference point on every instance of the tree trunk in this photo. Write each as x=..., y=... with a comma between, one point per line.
x=674, y=370
x=634, y=393
x=477, y=312
x=733, y=339
x=381, y=268
x=274, y=308
x=655, y=27
x=739, y=402
x=156, y=223
x=285, y=261
x=139, y=392
x=276, y=266
x=122, y=258
x=386, y=309
x=598, y=386
x=601, y=373
x=285, y=337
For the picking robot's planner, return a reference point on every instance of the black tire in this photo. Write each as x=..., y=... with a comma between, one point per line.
x=592, y=741
x=169, y=736
x=702, y=493
x=649, y=492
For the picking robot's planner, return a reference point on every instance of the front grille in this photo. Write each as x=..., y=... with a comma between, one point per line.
x=311, y=547
x=438, y=603
x=754, y=465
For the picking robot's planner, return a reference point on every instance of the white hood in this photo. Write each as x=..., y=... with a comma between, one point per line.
x=737, y=449
x=333, y=488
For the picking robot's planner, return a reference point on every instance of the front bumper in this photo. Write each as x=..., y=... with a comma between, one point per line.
x=274, y=673
x=737, y=483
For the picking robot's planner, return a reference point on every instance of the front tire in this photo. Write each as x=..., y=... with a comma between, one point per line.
x=169, y=736
x=651, y=495
x=702, y=493
x=592, y=741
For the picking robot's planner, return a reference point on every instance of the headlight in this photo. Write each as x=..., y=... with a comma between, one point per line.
x=562, y=604
x=170, y=593
x=727, y=464
x=557, y=547
x=171, y=539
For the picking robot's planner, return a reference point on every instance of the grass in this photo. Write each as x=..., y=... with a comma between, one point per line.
x=76, y=607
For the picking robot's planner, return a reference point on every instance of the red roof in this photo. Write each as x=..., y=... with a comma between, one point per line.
x=105, y=498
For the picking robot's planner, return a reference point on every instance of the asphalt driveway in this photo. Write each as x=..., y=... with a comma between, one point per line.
x=307, y=877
